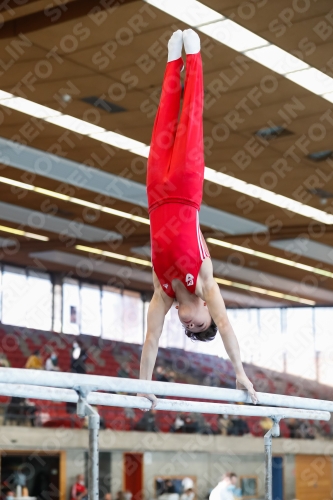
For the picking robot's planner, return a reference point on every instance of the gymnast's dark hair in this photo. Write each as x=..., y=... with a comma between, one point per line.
x=204, y=336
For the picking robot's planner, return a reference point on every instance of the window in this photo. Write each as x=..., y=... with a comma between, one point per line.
x=132, y=317
x=26, y=298
x=324, y=343
x=39, y=301
x=57, y=307
x=14, y=294
x=270, y=348
x=112, y=314
x=91, y=321
x=299, y=342
x=249, y=486
x=145, y=315
x=122, y=315
x=191, y=345
x=245, y=325
x=214, y=347
x=174, y=332
x=71, y=307
x=323, y=329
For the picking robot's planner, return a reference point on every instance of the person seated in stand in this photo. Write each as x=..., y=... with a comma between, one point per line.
x=172, y=376
x=7, y=494
x=188, y=489
x=147, y=422
x=226, y=488
x=169, y=487
x=124, y=370
x=182, y=267
x=238, y=427
x=51, y=364
x=265, y=424
x=35, y=361
x=78, y=358
x=120, y=495
x=4, y=363
x=79, y=490
x=179, y=423
x=203, y=426
x=161, y=374
x=293, y=426
x=223, y=424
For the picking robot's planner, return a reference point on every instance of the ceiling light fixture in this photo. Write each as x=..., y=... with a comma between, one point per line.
x=20, y=232
x=269, y=133
x=233, y=35
x=267, y=196
x=312, y=79
x=118, y=140
x=30, y=108
x=77, y=201
x=75, y=124
x=113, y=255
x=189, y=12
x=263, y=291
x=320, y=155
x=277, y=59
x=268, y=256
x=328, y=97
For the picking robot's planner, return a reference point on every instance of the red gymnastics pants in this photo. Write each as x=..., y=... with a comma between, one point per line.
x=175, y=169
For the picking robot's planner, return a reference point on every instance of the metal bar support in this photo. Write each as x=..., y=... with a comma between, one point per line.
x=273, y=432
x=83, y=410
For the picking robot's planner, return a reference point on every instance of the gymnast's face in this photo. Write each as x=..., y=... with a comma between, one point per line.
x=194, y=315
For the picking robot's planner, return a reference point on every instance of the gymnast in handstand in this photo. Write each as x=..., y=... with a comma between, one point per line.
x=182, y=268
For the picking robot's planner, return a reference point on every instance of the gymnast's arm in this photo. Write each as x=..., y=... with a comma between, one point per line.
x=158, y=308
x=212, y=296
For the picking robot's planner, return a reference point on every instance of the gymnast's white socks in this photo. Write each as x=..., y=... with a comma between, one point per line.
x=191, y=41
x=175, y=45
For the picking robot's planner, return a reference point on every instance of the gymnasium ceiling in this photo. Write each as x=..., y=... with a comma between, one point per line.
x=70, y=58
